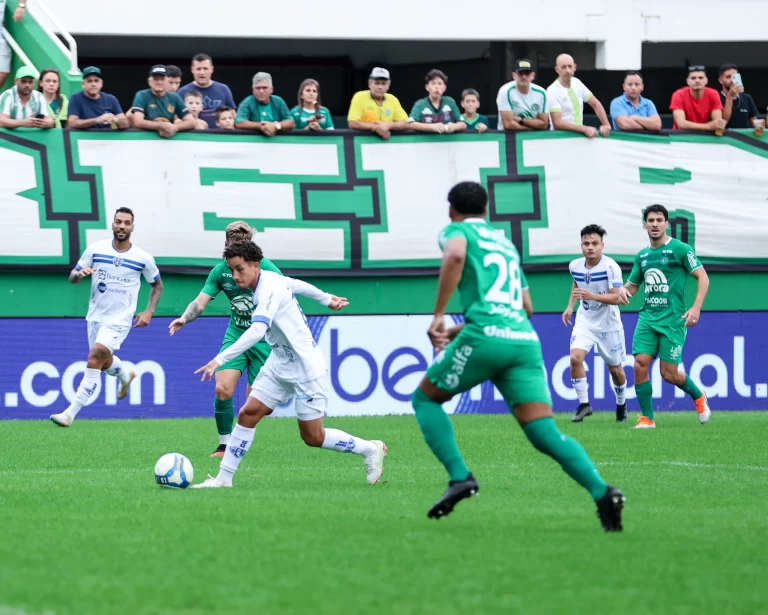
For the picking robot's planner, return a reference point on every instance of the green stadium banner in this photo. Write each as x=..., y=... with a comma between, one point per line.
x=344, y=202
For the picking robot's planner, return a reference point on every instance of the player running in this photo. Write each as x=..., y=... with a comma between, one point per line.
x=497, y=343
x=241, y=309
x=596, y=282
x=295, y=368
x=116, y=267
x=663, y=322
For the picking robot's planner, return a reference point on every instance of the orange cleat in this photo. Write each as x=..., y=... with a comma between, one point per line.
x=702, y=407
x=643, y=422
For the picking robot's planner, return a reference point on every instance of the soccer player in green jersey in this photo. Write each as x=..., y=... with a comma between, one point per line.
x=241, y=306
x=663, y=322
x=496, y=343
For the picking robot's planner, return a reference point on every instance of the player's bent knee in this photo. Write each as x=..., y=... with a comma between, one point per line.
x=98, y=357
x=224, y=391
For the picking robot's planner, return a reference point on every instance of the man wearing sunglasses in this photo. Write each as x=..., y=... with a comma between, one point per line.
x=697, y=107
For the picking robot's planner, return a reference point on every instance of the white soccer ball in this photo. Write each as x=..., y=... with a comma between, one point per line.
x=174, y=470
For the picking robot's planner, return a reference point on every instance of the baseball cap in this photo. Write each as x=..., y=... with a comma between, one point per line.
x=158, y=70
x=26, y=71
x=379, y=73
x=523, y=65
x=91, y=70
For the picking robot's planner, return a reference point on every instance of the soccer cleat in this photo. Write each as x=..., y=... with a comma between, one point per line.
x=374, y=463
x=643, y=422
x=456, y=492
x=621, y=413
x=62, y=419
x=220, y=450
x=124, y=388
x=702, y=407
x=582, y=411
x=211, y=483
x=609, y=509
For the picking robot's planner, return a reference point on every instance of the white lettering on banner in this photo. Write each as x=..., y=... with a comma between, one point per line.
x=604, y=187
x=32, y=392
x=720, y=387
x=417, y=178
x=22, y=233
x=161, y=182
x=742, y=388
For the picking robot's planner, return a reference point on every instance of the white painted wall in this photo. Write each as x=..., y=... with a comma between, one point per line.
x=618, y=26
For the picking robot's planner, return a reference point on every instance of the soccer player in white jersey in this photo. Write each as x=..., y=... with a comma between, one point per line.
x=295, y=368
x=116, y=266
x=596, y=283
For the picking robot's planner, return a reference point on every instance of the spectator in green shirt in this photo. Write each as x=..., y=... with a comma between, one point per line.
x=58, y=103
x=264, y=111
x=155, y=108
x=470, y=102
x=309, y=114
x=436, y=113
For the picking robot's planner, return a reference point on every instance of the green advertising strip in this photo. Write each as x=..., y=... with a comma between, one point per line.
x=343, y=203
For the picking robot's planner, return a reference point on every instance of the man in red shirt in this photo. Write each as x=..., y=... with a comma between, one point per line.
x=697, y=107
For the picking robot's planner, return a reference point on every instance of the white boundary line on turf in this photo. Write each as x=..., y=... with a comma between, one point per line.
x=685, y=464
x=9, y=610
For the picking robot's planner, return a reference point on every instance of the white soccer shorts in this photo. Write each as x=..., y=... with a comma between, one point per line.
x=311, y=397
x=111, y=336
x=610, y=344
x=5, y=55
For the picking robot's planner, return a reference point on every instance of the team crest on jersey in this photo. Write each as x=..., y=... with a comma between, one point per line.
x=587, y=277
x=117, y=261
x=535, y=108
x=664, y=260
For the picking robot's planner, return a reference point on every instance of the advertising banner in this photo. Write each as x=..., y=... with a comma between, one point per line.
x=374, y=363
x=346, y=202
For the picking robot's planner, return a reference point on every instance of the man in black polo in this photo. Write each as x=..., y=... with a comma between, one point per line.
x=739, y=110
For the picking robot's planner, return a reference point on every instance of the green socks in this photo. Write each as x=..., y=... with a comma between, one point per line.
x=438, y=434
x=547, y=438
x=644, y=392
x=224, y=410
x=689, y=386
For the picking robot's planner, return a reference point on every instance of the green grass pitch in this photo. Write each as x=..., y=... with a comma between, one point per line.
x=84, y=530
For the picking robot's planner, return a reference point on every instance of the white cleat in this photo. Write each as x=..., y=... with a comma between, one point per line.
x=62, y=419
x=374, y=463
x=211, y=483
x=124, y=388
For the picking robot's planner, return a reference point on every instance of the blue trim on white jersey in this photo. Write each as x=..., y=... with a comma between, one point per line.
x=617, y=284
x=259, y=318
x=78, y=267
x=156, y=278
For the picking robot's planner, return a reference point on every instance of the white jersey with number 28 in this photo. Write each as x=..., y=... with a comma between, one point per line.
x=599, y=279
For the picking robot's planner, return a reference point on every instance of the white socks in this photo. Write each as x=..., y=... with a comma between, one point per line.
x=88, y=386
x=580, y=386
x=116, y=370
x=342, y=442
x=620, y=391
x=239, y=443
x=224, y=438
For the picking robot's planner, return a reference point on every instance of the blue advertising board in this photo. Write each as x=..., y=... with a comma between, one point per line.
x=374, y=362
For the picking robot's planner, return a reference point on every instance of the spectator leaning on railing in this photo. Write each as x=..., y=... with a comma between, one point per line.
x=470, y=103
x=58, y=103
x=630, y=111
x=521, y=103
x=93, y=108
x=309, y=114
x=155, y=108
x=374, y=109
x=225, y=118
x=6, y=55
x=739, y=110
x=436, y=112
x=263, y=110
x=566, y=98
x=22, y=106
x=213, y=93
x=697, y=107
x=193, y=101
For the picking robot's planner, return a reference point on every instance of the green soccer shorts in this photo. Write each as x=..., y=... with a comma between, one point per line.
x=252, y=359
x=659, y=339
x=515, y=367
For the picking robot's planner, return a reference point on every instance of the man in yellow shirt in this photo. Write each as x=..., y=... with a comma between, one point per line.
x=375, y=110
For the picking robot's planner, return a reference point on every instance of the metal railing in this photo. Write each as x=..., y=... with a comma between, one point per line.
x=38, y=9
x=16, y=49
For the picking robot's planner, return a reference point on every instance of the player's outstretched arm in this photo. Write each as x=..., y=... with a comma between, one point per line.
x=694, y=312
x=612, y=297
x=252, y=335
x=193, y=311
x=454, y=257
x=305, y=289
x=142, y=320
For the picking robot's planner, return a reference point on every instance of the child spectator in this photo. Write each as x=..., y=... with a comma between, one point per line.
x=436, y=113
x=309, y=114
x=470, y=102
x=193, y=100
x=225, y=118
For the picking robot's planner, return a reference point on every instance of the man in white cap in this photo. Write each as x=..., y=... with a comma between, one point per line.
x=23, y=106
x=375, y=110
